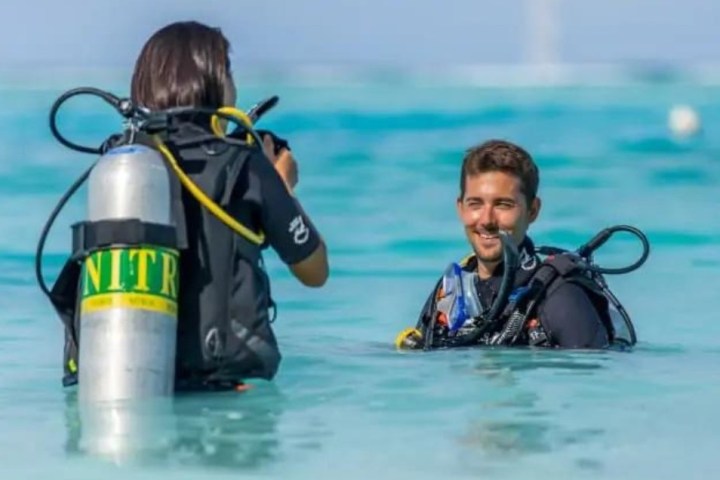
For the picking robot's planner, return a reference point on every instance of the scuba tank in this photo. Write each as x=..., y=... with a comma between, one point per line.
x=128, y=309
x=118, y=292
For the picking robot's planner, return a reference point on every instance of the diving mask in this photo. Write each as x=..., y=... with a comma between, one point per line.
x=457, y=298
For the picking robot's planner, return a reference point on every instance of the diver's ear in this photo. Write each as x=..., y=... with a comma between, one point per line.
x=535, y=206
x=458, y=207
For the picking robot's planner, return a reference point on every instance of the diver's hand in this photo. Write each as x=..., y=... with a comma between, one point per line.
x=287, y=168
x=269, y=148
x=284, y=162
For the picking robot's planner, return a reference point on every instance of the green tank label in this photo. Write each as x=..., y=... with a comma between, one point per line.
x=137, y=278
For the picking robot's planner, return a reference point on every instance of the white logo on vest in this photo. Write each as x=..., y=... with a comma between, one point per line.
x=527, y=260
x=299, y=230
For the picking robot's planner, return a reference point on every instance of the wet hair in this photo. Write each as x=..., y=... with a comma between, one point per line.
x=501, y=156
x=182, y=64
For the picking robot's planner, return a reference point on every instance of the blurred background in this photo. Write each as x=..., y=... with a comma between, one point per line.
x=398, y=33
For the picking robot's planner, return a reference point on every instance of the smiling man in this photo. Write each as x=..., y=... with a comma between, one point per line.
x=498, y=196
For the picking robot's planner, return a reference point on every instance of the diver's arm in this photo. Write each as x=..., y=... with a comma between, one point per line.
x=571, y=320
x=282, y=158
x=313, y=271
x=289, y=230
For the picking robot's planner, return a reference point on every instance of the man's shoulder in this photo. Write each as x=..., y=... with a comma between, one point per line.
x=572, y=318
x=567, y=289
x=569, y=299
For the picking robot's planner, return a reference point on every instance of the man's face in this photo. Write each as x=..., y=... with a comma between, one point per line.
x=494, y=201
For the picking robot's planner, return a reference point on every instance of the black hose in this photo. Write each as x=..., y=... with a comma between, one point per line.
x=119, y=104
x=48, y=225
x=603, y=236
x=153, y=121
x=490, y=318
x=512, y=328
x=262, y=107
x=116, y=102
x=621, y=310
x=586, y=251
x=510, y=265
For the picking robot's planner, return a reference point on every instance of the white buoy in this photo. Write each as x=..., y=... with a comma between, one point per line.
x=683, y=121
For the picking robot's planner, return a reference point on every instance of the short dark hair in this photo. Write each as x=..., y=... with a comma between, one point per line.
x=182, y=64
x=502, y=156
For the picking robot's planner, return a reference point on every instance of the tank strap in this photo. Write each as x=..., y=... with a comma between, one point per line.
x=90, y=236
x=555, y=271
x=530, y=289
x=545, y=279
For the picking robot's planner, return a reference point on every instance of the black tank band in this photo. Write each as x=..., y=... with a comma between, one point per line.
x=91, y=236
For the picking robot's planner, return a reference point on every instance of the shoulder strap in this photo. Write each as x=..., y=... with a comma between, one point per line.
x=560, y=269
x=547, y=277
x=551, y=269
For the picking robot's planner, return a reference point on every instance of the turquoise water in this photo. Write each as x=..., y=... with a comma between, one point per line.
x=379, y=169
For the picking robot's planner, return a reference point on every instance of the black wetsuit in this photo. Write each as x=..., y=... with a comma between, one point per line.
x=569, y=317
x=224, y=331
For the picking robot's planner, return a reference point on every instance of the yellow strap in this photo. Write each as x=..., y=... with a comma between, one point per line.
x=205, y=201
x=405, y=334
x=237, y=114
x=464, y=261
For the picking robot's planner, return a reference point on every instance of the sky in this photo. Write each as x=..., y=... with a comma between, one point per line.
x=110, y=33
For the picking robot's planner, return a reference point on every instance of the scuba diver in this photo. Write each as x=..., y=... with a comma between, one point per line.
x=504, y=293
x=230, y=197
